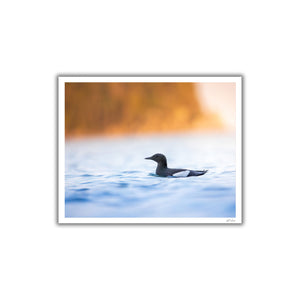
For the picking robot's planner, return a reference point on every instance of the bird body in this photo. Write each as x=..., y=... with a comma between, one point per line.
x=163, y=170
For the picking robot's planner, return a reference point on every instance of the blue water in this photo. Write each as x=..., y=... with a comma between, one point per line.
x=109, y=177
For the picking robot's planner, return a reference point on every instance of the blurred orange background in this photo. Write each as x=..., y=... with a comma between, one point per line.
x=128, y=107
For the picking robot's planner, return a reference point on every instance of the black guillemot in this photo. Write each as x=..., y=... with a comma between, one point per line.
x=163, y=170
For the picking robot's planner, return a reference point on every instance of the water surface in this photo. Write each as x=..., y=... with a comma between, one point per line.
x=109, y=177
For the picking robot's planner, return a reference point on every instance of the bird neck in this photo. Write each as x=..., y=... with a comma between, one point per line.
x=162, y=164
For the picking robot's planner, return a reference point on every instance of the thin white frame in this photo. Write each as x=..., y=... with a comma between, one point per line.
x=157, y=220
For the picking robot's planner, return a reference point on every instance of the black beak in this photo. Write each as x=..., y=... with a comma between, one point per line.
x=148, y=157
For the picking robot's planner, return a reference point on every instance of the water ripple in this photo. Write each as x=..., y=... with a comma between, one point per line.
x=100, y=183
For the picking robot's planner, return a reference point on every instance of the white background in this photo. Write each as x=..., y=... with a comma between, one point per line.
x=256, y=260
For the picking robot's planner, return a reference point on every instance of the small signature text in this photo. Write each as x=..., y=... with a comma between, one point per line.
x=230, y=220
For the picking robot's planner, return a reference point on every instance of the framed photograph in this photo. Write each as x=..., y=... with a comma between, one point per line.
x=150, y=149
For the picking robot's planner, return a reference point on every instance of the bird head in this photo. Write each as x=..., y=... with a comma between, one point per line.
x=159, y=158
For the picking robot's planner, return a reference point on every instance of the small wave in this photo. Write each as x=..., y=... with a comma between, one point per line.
x=130, y=172
x=153, y=174
x=123, y=184
x=76, y=199
x=228, y=172
x=81, y=190
x=216, y=188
